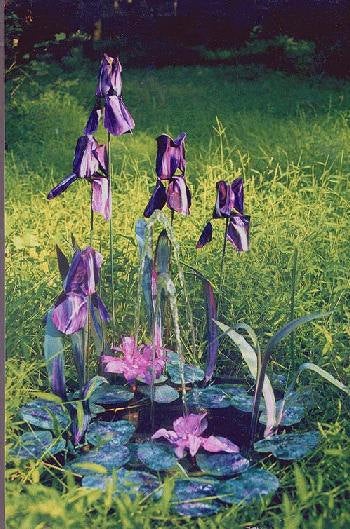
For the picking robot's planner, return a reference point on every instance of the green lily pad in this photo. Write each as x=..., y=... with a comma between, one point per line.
x=195, y=497
x=191, y=373
x=163, y=394
x=109, y=395
x=157, y=456
x=101, y=432
x=130, y=482
x=249, y=486
x=290, y=415
x=45, y=414
x=210, y=397
x=36, y=444
x=159, y=380
x=107, y=458
x=220, y=464
x=289, y=446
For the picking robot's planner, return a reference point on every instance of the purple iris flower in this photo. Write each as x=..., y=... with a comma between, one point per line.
x=90, y=162
x=117, y=119
x=71, y=309
x=170, y=158
x=229, y=197
x=230, y=205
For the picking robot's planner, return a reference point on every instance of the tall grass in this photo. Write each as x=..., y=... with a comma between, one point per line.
x=288, y=137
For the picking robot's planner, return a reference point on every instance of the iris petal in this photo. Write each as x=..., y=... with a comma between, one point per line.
x=157, y=200
x=238, y=232
x=206, y=235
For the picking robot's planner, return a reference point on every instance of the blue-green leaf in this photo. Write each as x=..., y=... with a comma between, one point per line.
x=222, y=464
x=289, y=446
x=195, y=497
x=101, y=432
x=110, y=456
x=157, y=456
x=163, y=394
x=44, y=414
x=130, y=482
x=249, y=486
x=36, y=444
x=110, y=395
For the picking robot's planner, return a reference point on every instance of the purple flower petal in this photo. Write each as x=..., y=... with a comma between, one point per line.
x=237, y=195
x=219, y=444
x=206, y=235
x=117, y=119
x=238, y=232
x=157, y=200
x=101, y=197
x=101, y=307
x=101, y=154
x=70, y=315
x=92, y=123
x=178, y=195
x=85, y=163
x=83, y=273
x=228, y=198
x=170, y=156
x=62, y=186
x=109, y=77
x=194, y=424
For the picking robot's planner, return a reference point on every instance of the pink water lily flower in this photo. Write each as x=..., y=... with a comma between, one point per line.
x=135, y=362
x=187, y=435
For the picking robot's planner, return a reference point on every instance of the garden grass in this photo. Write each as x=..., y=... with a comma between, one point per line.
x=289, y=138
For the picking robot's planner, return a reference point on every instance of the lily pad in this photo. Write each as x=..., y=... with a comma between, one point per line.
x=195, y=497
x=191, y=373
x=107, y=458
x=210, y=397
x=101, y=432
x=163, y=394
x=290, y=446
x=131, y=482
x=157, y=456
x=36, y=444
x=45, y=414
x=290, y=415
x=248, y=487
x=222, y=464
x=159, y=380
x=109, y=395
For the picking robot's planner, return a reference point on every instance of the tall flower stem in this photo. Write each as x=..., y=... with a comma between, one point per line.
x=292, y=306
x=111, y=258
x=222, y=267
x=91, y=222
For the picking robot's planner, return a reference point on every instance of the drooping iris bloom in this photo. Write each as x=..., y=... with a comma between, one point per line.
x=117, y=119
x=91, y=163
x=187, y=435
x=135, y=362
x=71, y=309
x=229, y=204
x=170, y=166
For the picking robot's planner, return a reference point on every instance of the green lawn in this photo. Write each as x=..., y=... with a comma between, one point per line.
x=289, y=138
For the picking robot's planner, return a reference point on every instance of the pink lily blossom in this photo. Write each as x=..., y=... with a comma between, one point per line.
x=187, y=436
x=136, y=362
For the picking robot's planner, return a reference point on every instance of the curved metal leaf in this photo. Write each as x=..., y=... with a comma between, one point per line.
x=54, y=357
x=250, y=358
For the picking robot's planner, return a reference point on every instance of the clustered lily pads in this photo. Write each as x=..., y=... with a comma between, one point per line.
x=107, y=452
